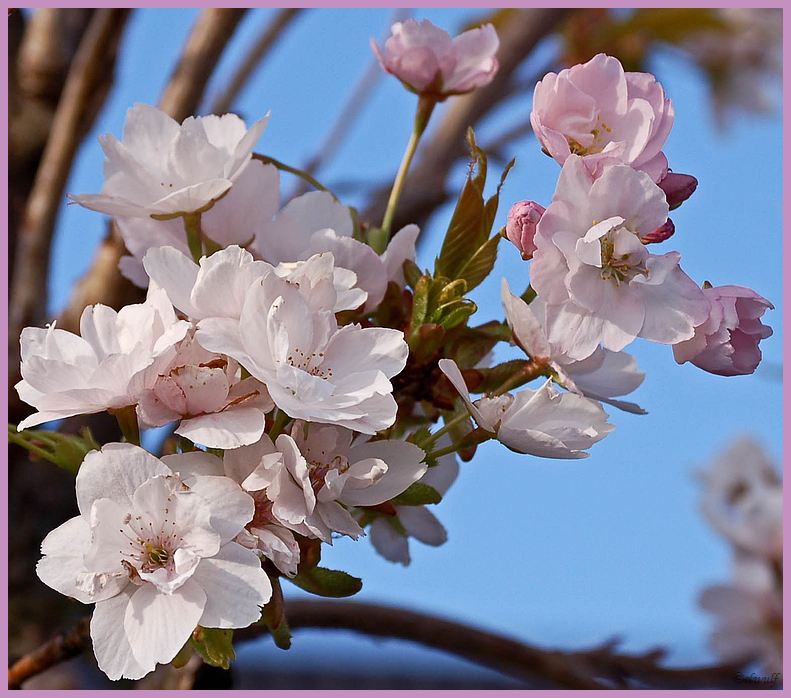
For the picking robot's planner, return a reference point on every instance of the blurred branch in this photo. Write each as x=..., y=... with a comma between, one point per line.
x=425, y=189
x=598, y=668
x=87, y=83
x=255, y=55
x=59, y=649
x=348, y=115
x=210, y=35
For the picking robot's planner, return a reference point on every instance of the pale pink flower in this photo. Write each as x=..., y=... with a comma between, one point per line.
x=115, y=361
x=287, y=336
x=165, y=168
x=428, y=61
x=543, y=422
x=154, y=551
x=742, y=499
x=727, y=342
x=600, y=283
x=390, y=534
x=602, y=376
x=605, y=115
x=748, y=613
x=217, y=408
x=521, y=226
x=315, y=223
x=235, y=219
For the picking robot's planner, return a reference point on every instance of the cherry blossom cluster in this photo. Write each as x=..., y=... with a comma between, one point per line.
x=742, y=499
x=303, y=361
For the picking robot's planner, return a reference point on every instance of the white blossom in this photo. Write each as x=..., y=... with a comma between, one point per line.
x=542, y=422
x=166, y=169
x=115, y=360
x=155, y=553
x=205, y=391
x=602, y=376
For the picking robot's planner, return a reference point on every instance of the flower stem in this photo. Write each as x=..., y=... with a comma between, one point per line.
x=194, y=236
x=310, y=179
x=529, y=371
x=449, y=424
x=127, y=420
x=425, y=106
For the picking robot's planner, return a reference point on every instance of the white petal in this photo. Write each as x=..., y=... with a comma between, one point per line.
x=404, y=466
x=115, y=473
x=158, y=624
x=388, y=542
x=231, y=507
x=228, y=429
x=235, y=585
x=420, y=523
x=110, y=642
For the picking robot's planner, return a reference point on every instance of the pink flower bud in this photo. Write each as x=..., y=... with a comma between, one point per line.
x=678, y=188
x=727, y=343
x=521, y=227
x=662, y=233
x=427, y=61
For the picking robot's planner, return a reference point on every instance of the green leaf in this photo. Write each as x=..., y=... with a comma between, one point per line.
x=477, y=268
x=215, y=645
x=464, y=231
x=418, y=493
x=325, y=582
x=457, y=313
x=495, y=376
x=67, y=451
x=490, y=209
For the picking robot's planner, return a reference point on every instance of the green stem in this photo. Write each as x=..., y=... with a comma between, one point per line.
x=127, y=420
x=281, y=419
x=310, y=179
x=15, y=438
x=529, y=295
x=527, y=373
x=194, y=235
x=449, y=424
x=425, y=106
x=453, y=448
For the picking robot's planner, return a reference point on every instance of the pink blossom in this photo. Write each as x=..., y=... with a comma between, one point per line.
x=521, y=227
x=428, y=61
x=606, y=115
x=727, y=342
x=598, y=280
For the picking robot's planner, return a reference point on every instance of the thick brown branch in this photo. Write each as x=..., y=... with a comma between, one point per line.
x=268, y=38
x=601, y=667
x=425, y=188
x=86, y=84
x=209, y=37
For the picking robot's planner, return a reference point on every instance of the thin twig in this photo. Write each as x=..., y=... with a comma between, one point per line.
x=601, y=667
x=59, y=649
x=268, y=38
x=209, y=36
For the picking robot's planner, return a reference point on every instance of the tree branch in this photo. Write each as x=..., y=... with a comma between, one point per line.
x=87, y=82
x=598, y=668
x=254, y=56
x=209, y=37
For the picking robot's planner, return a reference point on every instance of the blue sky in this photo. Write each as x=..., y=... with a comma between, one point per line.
x=558, y=553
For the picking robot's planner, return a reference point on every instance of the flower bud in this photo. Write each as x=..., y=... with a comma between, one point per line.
x=678, y=188
x=660, y=234
x=521, y=227
x=429, y=62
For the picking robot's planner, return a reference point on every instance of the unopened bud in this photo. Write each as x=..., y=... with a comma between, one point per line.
x=662, y=233
x=678, y=188
x=521, y=227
